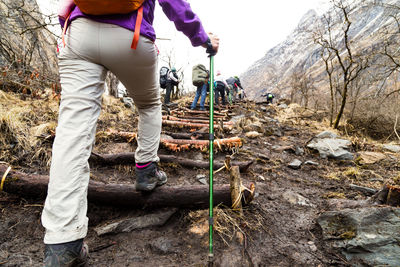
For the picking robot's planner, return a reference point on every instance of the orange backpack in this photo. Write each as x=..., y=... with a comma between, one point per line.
x=109, y=7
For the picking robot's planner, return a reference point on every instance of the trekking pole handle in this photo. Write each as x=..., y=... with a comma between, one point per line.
x=210, y=50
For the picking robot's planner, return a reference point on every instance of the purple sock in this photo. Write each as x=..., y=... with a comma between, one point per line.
x=142, y=165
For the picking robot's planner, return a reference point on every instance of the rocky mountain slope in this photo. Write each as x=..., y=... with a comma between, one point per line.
x=299, y=52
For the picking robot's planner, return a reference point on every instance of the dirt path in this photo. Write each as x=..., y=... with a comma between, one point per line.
x=277, y=229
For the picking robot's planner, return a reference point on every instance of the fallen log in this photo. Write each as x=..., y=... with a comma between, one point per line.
x=219, y=113
x=193, y=196
x=172, y=118
x=206, y=106
x=195, y=125
x=110, y=133
x=184, y=113
x=129, y=159
x=201, y=118
x=233, y=141
x=184, y=144
x=193, y=135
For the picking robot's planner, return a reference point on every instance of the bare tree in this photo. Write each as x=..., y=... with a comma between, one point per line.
x=301, y=85
x=27, y=47
x=338, y=49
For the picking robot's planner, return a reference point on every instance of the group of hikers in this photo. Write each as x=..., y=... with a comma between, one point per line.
x=230, y=87
x=226, y=90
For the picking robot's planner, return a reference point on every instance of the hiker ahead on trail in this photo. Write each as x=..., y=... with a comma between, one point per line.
x=237, y=89
x=220, y=88
x=93, y=47
x=269, y=96
x=172, y=81
x=200, y=76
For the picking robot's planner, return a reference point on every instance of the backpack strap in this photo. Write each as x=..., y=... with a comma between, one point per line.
x=65, y=29
x=136, y=35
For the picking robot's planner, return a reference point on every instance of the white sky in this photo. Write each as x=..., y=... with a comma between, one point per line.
x=247, y=29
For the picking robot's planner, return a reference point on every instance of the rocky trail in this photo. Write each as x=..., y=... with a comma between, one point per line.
x=317, y=200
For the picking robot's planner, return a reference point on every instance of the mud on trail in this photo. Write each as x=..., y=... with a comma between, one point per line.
x=277, y=229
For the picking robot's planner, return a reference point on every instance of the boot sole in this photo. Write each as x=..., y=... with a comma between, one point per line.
x=149, y=187
x=145, y=187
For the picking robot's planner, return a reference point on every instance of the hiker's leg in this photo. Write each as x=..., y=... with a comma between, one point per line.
x=203, y=95
x=82, y=82
x=196, y=98
x=168, y=93
x=138, y=71
x=223, y=96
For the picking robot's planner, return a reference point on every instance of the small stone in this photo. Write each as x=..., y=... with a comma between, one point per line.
x=313, y=248
x=263, y=156
x=252, y=134
x=254, y=127
x=299, y=151
x=283, y=106
x=310, y=162
x=167, y=137
x=392, y=148
x=296, y=199
x=295, y=164
x=278, y=133
x=326, y=134
x=163, y=245
x=261, y=177
x=198, y=156
x=201, y=178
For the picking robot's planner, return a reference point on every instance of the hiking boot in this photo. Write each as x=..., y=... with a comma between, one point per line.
x=70, y=254
x=149, y=177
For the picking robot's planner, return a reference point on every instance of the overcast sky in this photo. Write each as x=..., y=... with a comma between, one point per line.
x=247, y=29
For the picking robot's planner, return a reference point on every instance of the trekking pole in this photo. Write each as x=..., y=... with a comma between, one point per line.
x=211, y=52
x=211, y=157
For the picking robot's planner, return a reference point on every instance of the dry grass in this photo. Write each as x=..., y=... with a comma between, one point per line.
x=228, y=224
x=376, y=118
x=21, y=123
x=25, y=124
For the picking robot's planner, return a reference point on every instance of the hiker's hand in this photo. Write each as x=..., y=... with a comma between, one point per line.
x=212, y=44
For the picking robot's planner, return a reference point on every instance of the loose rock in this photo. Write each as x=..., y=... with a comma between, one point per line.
x=163, y=245
x=296, y=199
x=127, y=225
x=329, y=147
x=295, y=164
x=369, y=235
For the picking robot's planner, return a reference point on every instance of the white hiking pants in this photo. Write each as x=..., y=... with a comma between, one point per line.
x=92, y=49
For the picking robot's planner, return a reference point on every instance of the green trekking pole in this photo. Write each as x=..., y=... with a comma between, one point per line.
x=211, y=51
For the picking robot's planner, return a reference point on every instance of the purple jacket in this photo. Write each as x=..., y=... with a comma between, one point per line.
x=178, y=11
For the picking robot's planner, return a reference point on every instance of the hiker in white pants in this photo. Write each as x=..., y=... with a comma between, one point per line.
x=95, y=45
